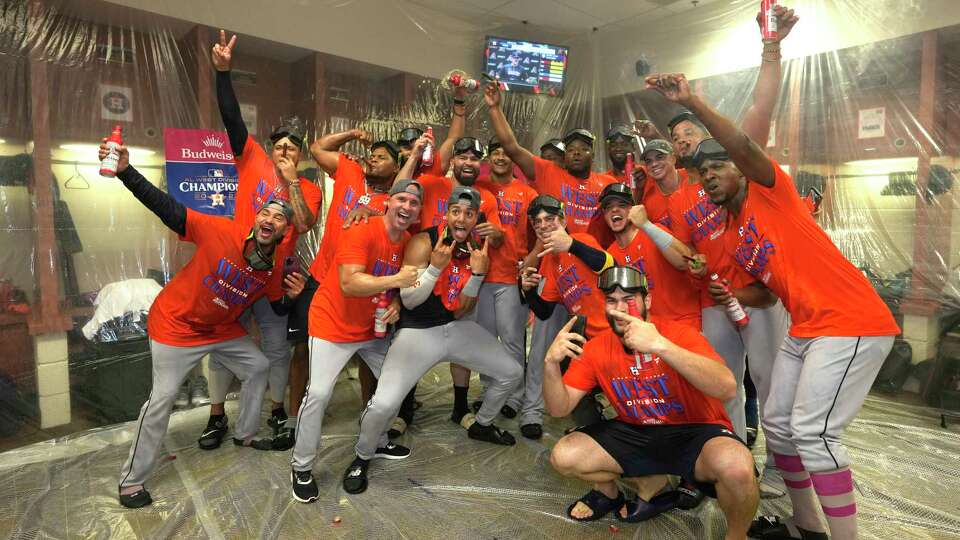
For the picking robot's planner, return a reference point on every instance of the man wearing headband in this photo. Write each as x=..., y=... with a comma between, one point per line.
x=433, y=326
x=499, y=308
x=553, y=150
x=196, y=314
x=575, y=183
x=666, y=384
x=563, y=284
x=262, y=178
x=840, y=333
x=368, y=263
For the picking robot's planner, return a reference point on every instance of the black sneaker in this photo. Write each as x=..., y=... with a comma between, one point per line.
x=508, y=411
x=304, y=486
x=284, y=440
x=491, y=434
x=214, y=433
x=392, y=451
x=355, y=477
x=532, y=431
x=690, y=496
x=136, y=500
x=256, y=444
x=277, y=420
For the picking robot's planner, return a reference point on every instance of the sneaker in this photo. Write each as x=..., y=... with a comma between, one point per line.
x=304, y=486
x=751, y=436
x=214, y=433
x=136, y=500
x=690, y=496
x=532, y=431
x=277, y=420
x=490, y=434
x=182, y=400
x=771, y=484
x=199, y=392
x=508, y=411
x=392, y=451
x=256, y=444
x=355, y=477
x=398, y=428
x=285, y=439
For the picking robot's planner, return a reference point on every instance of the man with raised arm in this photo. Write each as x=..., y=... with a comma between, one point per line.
x=840, y=333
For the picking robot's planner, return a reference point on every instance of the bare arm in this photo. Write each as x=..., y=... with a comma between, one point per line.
x=303, y=218
x=756, y=122
x=520, y=155
x=458, y=126
x=326, y=149
x=411, y=163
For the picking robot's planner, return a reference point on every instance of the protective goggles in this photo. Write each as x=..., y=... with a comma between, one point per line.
x=581, y=134
x=468, y=144
x=408, y=136
x=295, y=137
x=616, y=191
x=619, y=132
x=548, y=204
x=626, y=278
x=709, y=149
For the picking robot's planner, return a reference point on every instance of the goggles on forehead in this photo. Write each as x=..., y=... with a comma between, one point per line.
x=468, y=144
x=548, y=204
x=622, y=277
x=294, y=137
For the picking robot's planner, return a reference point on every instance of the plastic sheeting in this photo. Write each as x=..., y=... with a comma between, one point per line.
x=450, y=486
x=868, y=112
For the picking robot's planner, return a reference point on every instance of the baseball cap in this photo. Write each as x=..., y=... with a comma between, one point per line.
x=579, y=133
x=709, y=149
x=390, y=146
x=684, y=115
x=659, y=145
x=408, y=136
x=548, y=204
x=459, y=193
x=493, y=144
x=407, y=185
x=627, y=278
x=282, y=205
x=616, y=190
x=468, y=144
x=621, y=131
x=555, y=144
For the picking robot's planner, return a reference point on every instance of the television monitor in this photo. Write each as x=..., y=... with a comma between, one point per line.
x=525, y=66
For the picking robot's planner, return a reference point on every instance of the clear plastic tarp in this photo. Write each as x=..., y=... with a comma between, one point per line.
x=866, y=109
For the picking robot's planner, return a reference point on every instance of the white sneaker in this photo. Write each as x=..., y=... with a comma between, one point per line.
x=771, y=484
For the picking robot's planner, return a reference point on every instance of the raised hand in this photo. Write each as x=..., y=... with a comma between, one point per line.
x=646, y=129
x=363, y=136
x=786, y=19
x=222, y=52
x=638, y=215
x=122, y=151
x=442, y=253
x=565, y=345
x=673, y=86
x=421, y=144
x=491, y=94
x=480, y=258
x=639, y=336
x=288, y=169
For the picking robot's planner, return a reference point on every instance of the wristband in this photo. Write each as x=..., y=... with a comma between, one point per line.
x=472, y=288
x=661, y=238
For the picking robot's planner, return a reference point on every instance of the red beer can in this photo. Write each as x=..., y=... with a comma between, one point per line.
x=768, y=20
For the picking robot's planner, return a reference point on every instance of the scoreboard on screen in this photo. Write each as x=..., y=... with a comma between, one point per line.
x=525, y=66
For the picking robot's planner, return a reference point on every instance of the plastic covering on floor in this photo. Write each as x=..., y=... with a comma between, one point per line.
x=451, y=487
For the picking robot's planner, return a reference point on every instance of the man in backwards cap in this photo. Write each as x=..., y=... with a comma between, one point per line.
x=840, y=333
x=368, y=264
x=196, y=314
x=433, y=326
x=666, y=384
x=262, y=178
x=576, y=185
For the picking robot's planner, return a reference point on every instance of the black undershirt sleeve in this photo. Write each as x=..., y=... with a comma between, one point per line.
x=597, y=259
x=172, y=213
x=230, y=113
x=543, y=309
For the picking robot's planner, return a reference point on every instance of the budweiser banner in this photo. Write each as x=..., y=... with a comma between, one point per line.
x=200, y=170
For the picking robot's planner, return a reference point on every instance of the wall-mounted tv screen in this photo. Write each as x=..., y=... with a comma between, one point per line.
x=524, y=66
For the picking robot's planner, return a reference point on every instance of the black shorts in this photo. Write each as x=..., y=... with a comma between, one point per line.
x=297, y=320
x=657, y=449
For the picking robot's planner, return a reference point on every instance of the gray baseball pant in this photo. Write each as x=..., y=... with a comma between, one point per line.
x=500, y=312
x=170, y=368
x=327, y=360
x=414, y=351
x=541, y=337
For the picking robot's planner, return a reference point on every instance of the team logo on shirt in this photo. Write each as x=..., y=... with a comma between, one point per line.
x=649, y=400
x=580, y=205
x=572, y=286
x=231, y=284
x=264, y=194
x=384, y=268
x=754, y=250
x=705, y=219
x=509, y=210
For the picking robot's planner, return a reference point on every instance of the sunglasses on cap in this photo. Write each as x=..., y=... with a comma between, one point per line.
x=616, y=190
x=619, y=132
x=554, y=144
x=548, y=204
x=709, y=149
x=579, y=133
x=626, y=278
x=468, y=144
x=293, y=135
x=408, y=136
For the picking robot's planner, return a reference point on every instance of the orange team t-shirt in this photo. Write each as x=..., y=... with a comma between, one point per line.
x=513, y=200
x=673, y=296
x=657, y=203
x=259, y=184
x=339, y=318
x=350, y=191
x=569, y=280
x=581, y=198
x=201, y=303
x=653, y=392
x=436, y=193
x=777, y=241
x=696, y=221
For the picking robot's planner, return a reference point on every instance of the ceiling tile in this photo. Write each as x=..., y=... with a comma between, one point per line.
x=548, y=13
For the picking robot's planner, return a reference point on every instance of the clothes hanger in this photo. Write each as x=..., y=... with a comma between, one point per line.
x=78, y=178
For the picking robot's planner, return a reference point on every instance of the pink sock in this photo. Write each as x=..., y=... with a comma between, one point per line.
x=835, y=490
x=800, y=489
